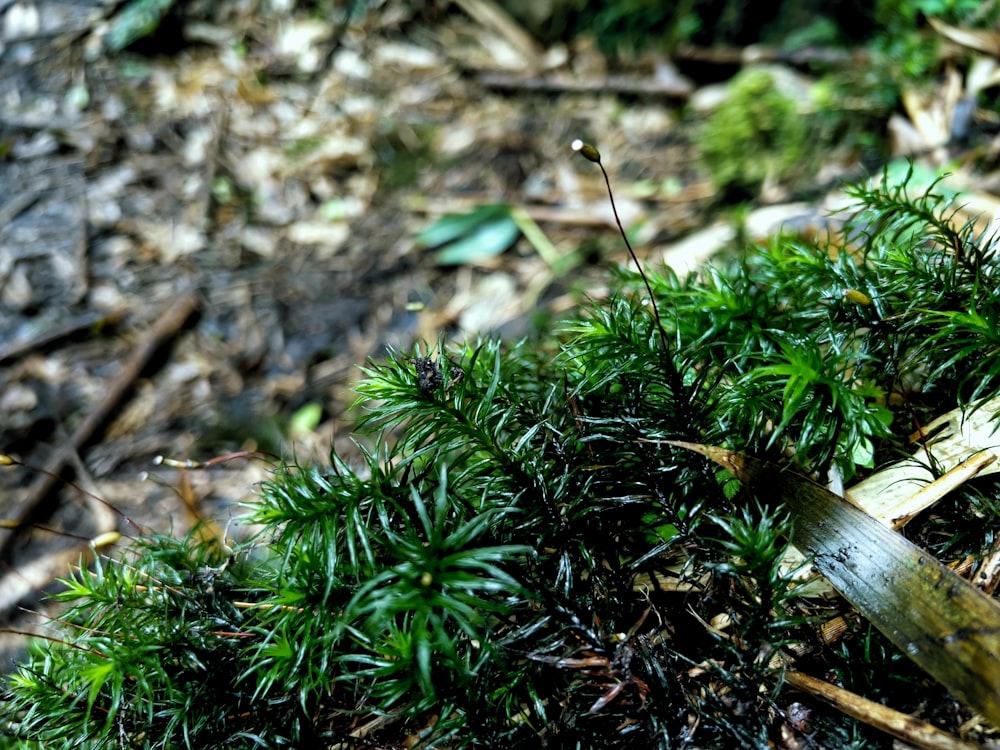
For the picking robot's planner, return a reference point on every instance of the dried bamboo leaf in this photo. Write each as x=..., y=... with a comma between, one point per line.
x=898, y=492
x=941, y=622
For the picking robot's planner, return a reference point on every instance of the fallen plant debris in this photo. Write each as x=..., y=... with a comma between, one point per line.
x=954, y=632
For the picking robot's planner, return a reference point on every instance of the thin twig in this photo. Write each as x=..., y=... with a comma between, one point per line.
x=72, y=327
x=559, y=83
x=902, y=726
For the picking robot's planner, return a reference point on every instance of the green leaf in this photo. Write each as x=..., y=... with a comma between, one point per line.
x=452, y=226
x=306, y=419
x=463, y=238
x=96, y=675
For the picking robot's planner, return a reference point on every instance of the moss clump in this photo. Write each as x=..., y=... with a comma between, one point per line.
x=757, y=134
x=521, y=560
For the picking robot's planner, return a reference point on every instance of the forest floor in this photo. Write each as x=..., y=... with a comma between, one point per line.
x=203, y=236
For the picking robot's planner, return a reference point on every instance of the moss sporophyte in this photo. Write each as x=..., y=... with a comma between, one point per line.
x=524, y=555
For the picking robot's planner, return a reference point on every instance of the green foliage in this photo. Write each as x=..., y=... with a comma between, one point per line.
x=517, y=559
x=625, y=26
x=756, y=134
x=618, y=26
x=150, y=649
x=480, y=233
x=904, y=46
x=755, y=596
x=891, y=12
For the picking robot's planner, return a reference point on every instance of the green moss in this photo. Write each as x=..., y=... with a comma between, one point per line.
x=520, y=560
x=757, y=133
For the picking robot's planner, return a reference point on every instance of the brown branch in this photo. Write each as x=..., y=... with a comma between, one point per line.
x=70, y=328
x=613, y=84
x=902, y=726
